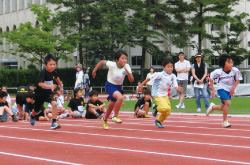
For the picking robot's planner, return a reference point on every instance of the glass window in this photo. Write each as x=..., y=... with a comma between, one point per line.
x=215, y=60
x=21, y=4
x=14, y=5
x=136, y=60
x=215, y=27
x=156, y=61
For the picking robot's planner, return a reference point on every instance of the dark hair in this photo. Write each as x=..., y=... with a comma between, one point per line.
x=3, y=86
x=30, y=95
x=151, y=68
x=147, y=92
x=92, y=93
x=195, y=58
x=223, y=58
x=76, y=90
x=166, y=61
x=3, y=94
x=118, y=54
x=180, y=53
x=30, y=85
x=48, y=58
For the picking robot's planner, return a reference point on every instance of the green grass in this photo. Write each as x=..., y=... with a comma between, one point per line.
x=240, y=105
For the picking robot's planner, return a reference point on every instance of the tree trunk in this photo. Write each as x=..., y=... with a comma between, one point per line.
x=200, y=33
x=143, y=56
x=80, y=44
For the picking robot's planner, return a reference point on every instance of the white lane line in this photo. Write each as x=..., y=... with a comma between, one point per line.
x=38, y=158
x=131, y=150
x=139, y=138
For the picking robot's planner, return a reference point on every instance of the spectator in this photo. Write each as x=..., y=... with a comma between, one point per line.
x=182, y=68
x=5, y=109
x=86, y=85
x=139, y=90
x=95, y=108
x=150, y=83
x=142, y=106
x=199, y=72
x=79, y=76
x=8, y=99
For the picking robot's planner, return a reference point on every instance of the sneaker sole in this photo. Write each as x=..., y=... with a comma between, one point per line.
x=56, y=127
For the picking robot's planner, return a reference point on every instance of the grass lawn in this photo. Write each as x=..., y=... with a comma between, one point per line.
x=240, y=105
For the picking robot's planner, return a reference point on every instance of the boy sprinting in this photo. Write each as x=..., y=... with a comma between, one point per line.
x=116, y=74
x=162, y=81
x=142, y=106
x=228, y=79
x=95, y=108
x=45, y=88
x=4, y=107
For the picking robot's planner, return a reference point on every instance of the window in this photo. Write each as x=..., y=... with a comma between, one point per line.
x=136, y=60
x=215, y=27
x=37, y=2
x=7, y=6
x=156, y=61
x=21, y=4
x=1, y=6
x=214, y=60
x=248, y=27
x=14, y=5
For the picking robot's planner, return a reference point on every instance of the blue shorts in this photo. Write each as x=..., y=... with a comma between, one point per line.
x=224, y=95
x=111, y=88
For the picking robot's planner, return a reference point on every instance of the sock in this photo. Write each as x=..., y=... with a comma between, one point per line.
x=12, y=116
x=53, y=120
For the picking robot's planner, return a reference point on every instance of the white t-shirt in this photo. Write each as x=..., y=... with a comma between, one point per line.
x=148, y=76
x=116, y=74
x=226, y=80
x=182, y=65
x=79, y=78
x=162, y=81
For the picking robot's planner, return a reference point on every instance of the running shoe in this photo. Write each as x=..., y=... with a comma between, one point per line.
x=210, y=109
x=154, y=112
x=116, y=119
x=32, y=119
x=225, y=124
x=14, y=119
x=105, y=124
x=158, y=124
x=54, y=125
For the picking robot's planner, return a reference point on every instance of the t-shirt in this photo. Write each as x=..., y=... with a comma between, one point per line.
x=47, y=78
x=76, y=104
x=3, y=104
x=182, y=65
x=148, y=76
x=116, y=74
x=140, y=102
x=90, y=115
x=226, y=80
x=29, y=107
x=162, y=82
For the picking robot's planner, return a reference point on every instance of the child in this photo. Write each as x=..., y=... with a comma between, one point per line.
x=45, y=88
x=41, y=115
x=20, y=100
x=76, y=105
x=228, y=79
x=162, y=81
x=60, y=104
x=8, y=99
x=139, y=90
x=95, y=107
x=116, y=74
x=142, y=105
x=4, y=107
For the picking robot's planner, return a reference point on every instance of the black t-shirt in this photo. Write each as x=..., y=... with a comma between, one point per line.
x=141, y=102
x=29, y=107
x=75, y=104
x=3, y=104
x=90, y=115
x=47, y=78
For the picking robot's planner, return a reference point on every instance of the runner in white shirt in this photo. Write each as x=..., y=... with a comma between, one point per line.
x=228, y=79
x=182, y=68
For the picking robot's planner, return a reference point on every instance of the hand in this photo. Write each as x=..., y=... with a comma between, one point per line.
x=179, y=88
x=212, y=94
x=231, y=91
x=46, y=118
x=52, y=87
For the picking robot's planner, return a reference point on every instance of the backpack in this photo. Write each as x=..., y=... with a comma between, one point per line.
x=22, y=89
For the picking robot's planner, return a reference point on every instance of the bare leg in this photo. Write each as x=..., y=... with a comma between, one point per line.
x=54, y=109
x=119, y=97
x=109, y=109
x=181, y=96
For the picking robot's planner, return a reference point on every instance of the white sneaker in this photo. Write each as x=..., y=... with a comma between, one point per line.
x=198, y=109
x=226, y=124
x=178, y=106
x=183, y=106
x=210, y=108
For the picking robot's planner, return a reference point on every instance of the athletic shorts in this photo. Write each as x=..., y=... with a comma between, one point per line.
x=224, y=95
x=20, y=99
x=111, y=89
x=40, y=99
x=183, y=84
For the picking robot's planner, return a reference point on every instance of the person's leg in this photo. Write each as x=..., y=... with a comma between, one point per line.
x=197, y=97
x=226, y=108
x=205, y=96
x=20, y=111
x=7, y=110
x=164, y=108
x=146, y=108
x=109, y=109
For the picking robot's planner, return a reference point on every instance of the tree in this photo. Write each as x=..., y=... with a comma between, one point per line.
x=199, y=10
x=38, y=41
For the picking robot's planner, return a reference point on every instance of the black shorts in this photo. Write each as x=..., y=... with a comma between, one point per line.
x=20, y=99
x=40, y=99
x=40, y=113
x=90, y=115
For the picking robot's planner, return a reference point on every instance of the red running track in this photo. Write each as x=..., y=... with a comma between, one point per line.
x=186, y=139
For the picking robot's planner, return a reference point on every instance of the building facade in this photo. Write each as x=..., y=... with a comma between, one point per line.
x=15, y=12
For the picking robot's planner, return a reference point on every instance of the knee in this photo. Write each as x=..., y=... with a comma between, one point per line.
x=120, y=98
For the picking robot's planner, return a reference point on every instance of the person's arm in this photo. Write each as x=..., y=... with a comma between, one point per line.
x=44, y=85
x=137, y=109
x=204, y=76
x=145, y=82
x=130, y=76
x=195, y=77
x=101, y=106
x=101, y=63
x=232, y=90
x=212, y=88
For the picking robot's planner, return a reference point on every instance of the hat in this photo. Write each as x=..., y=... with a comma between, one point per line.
x=198, y=55
x=79, y=66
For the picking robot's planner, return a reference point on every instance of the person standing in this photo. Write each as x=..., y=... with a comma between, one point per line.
x=182, y=68
x=150, y=83
x=79, y=76
x=86, y=85
x=199, y=72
